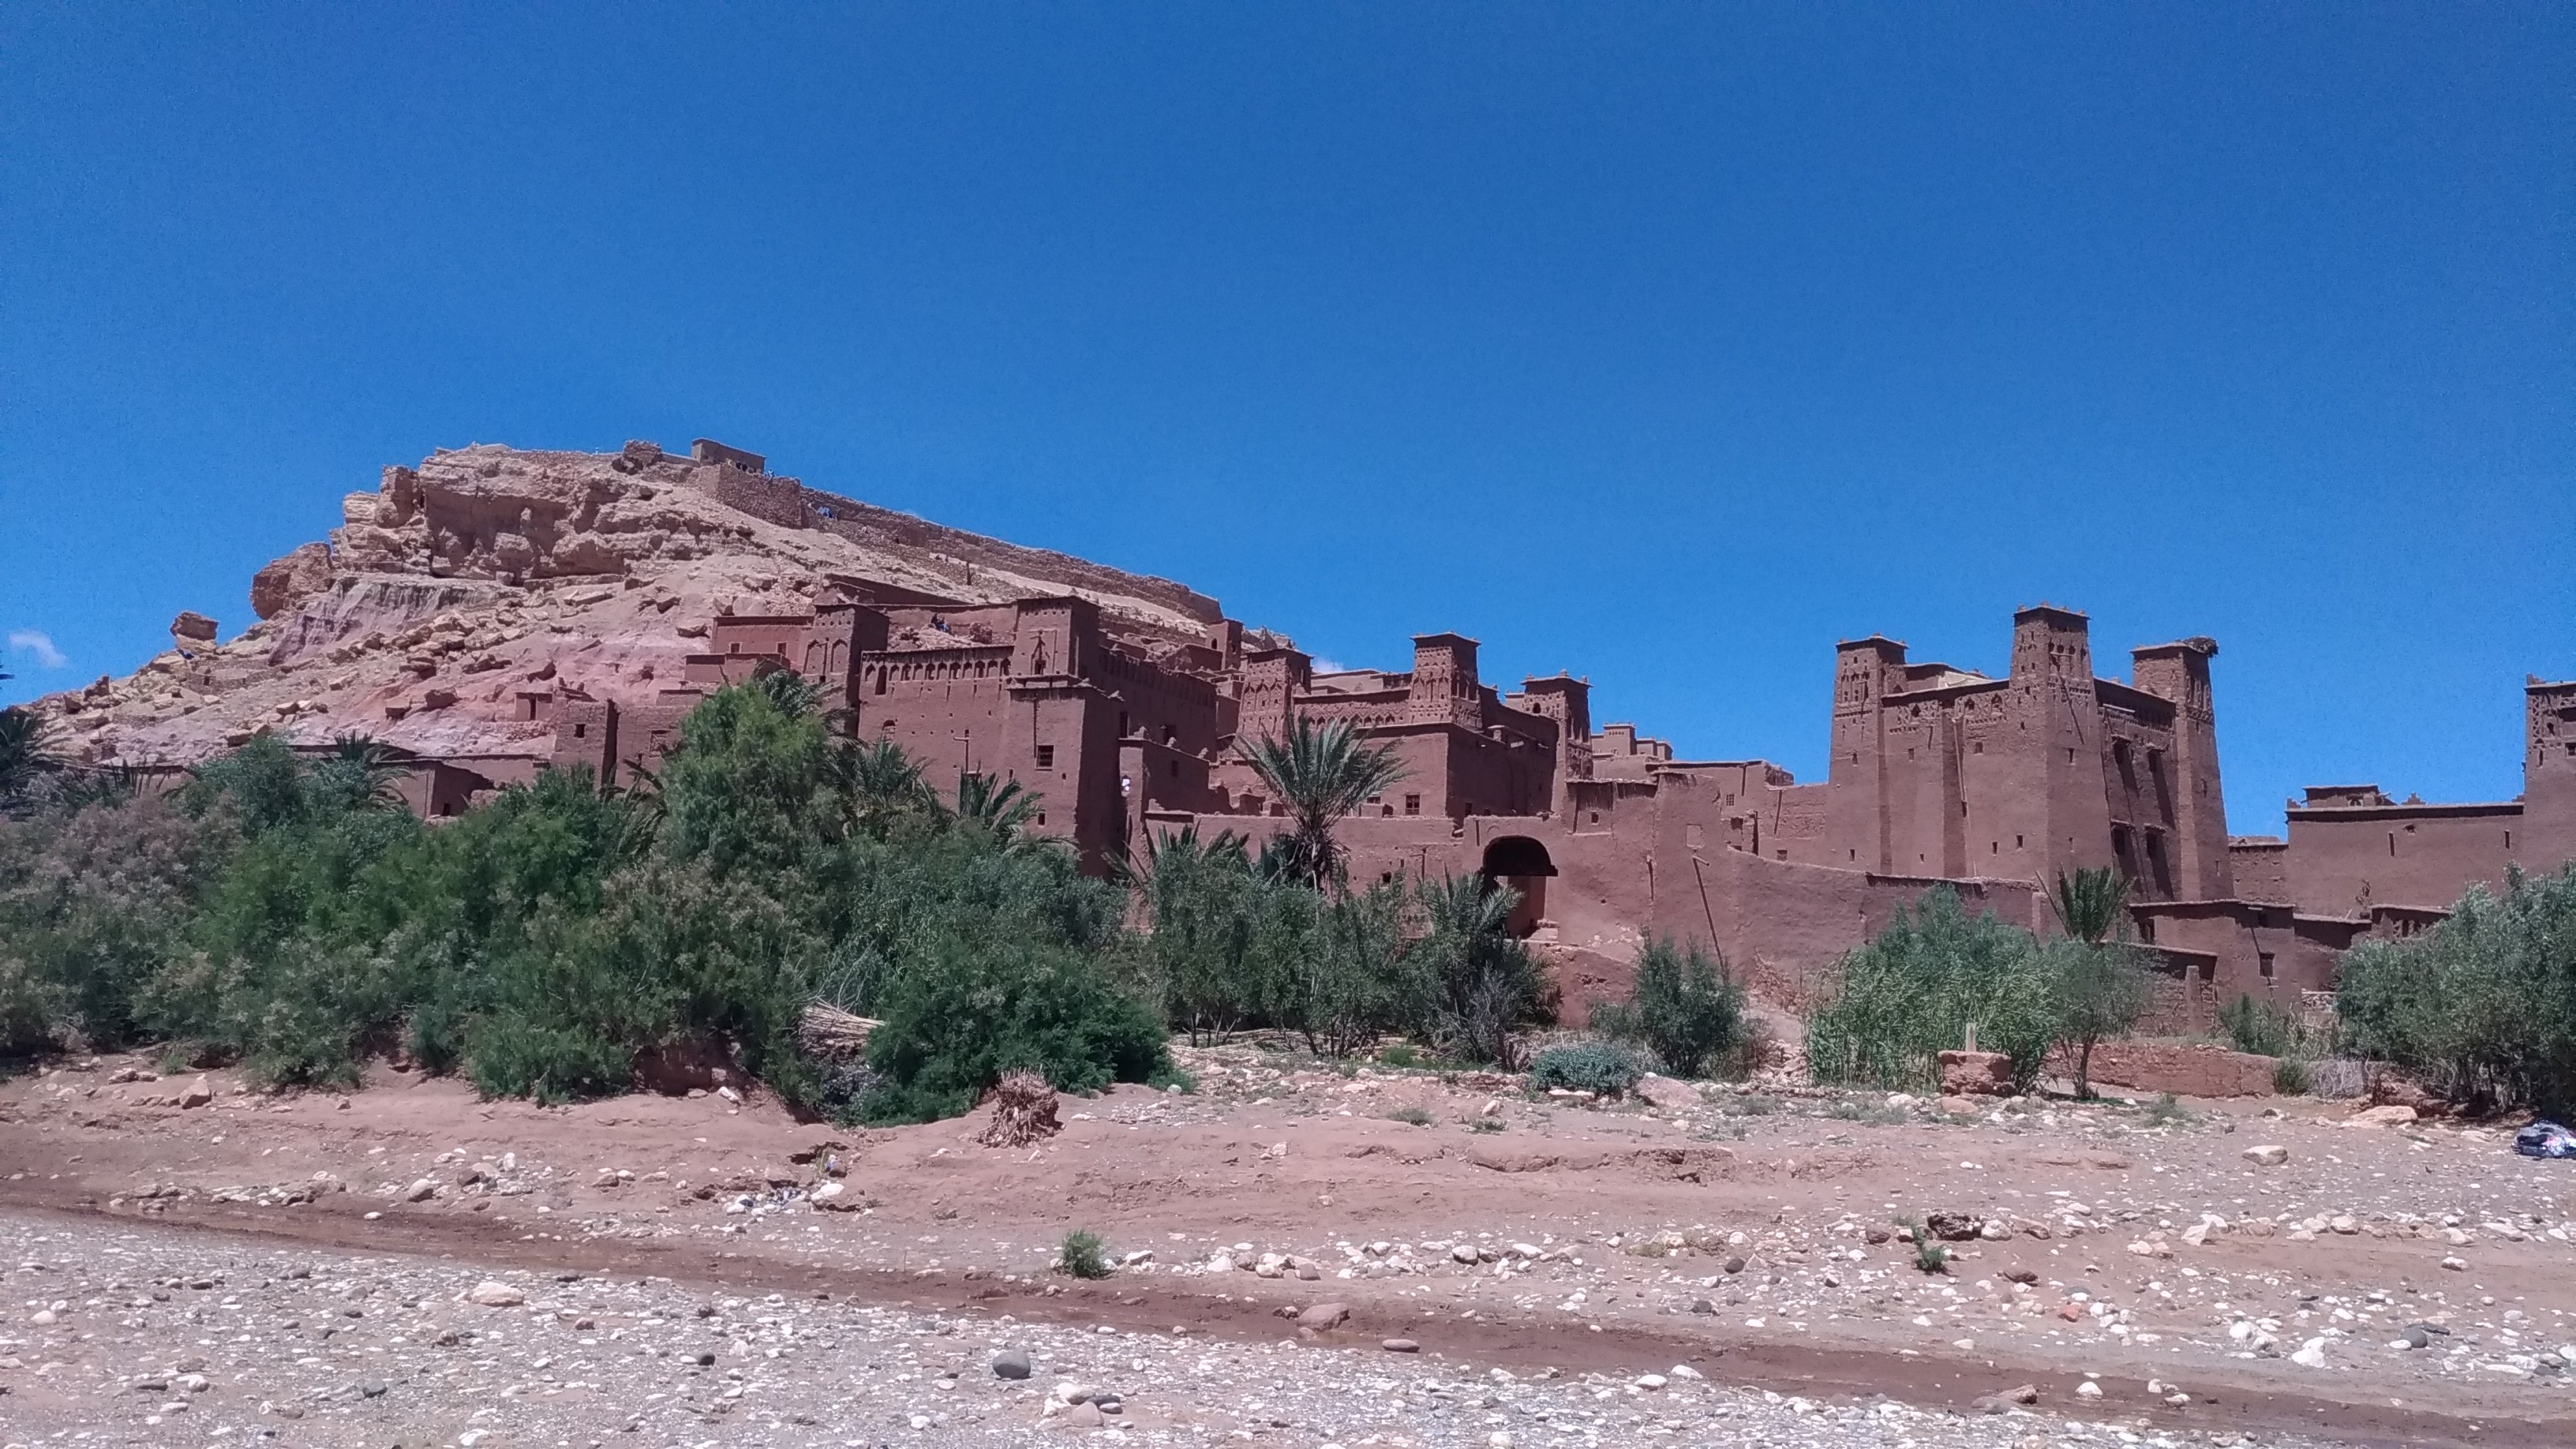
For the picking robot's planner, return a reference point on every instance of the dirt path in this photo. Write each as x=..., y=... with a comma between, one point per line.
x=1741, y=1232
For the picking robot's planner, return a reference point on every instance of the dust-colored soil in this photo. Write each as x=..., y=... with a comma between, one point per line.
x=1733, y=1235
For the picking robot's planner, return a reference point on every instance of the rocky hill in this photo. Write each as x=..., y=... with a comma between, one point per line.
x=488, y=570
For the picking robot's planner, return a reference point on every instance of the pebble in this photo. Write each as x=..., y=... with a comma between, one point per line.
x=1011, y=1363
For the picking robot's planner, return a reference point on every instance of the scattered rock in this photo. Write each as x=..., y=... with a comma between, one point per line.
x=2269, y=1155
x=1399, y=1345
x=1324, y=1316
x=1666, y=1094
x=1011, y=1363
x=492, y=1293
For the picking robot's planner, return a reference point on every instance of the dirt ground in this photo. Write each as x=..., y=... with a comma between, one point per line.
x=2130, y=1264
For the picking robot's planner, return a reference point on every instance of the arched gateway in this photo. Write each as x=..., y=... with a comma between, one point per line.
x=1521, y=863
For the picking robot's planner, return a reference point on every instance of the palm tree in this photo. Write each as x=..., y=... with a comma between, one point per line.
x=999, y=808
x=793, y=694
x=1171, y=853
x=878, y=783
x=367, y=769
x=27, y=756
x=1320, y=775
x=2099, y=989
x=2092, y=904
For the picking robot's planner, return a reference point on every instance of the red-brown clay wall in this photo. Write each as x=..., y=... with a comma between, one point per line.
x=2185, y=1071
x=2261, y=869
x=2344, y=861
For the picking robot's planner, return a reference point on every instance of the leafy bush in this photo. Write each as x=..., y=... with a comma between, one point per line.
x=1915, y=988
x=92, y=903
x=1597, y=1067
x=1478, y=982
x=958, y=1020
x=1410, y=1115
x=1349, y=982
x=1082, y=1256
x=2481, y=1006
x=2096, y=992
x=2258, y=1027
x=1685, y=1008
x=2292, y=1077
x=284, y=913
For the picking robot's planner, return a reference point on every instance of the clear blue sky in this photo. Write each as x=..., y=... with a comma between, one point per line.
x=1665, y=344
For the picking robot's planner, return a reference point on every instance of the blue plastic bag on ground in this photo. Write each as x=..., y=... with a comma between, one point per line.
x=2545, y=1139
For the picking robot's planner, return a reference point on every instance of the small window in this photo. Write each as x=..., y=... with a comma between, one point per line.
x=1122, y=724
x=1042, y=817
x=581, y=732
x=1978, y=748
x=1413, y=806
x=1046, y=757
x=2264, y=964
x=1175, y=769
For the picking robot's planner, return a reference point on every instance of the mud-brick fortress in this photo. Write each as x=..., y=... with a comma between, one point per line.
x=1939, y=775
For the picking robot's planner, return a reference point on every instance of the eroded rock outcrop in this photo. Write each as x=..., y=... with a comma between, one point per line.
x=458, y=595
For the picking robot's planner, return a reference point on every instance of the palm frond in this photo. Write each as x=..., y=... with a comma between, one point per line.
x=1320, y=774
x=2092, y=904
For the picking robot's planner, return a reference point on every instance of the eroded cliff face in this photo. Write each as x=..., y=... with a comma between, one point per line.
x=488, y=572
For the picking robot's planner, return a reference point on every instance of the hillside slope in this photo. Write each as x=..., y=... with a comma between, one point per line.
x=489, y=570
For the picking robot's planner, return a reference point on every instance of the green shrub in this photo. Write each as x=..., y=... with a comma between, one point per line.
x=283, y=913
x=551, y=1063
x=1477, y=983
x=94, y=901
x=1929, y=1255
x=1913, y=991
x=1350, y=983
x=2257, y=1028
x=970, y=1011
x=2292, y=1077
x=2168, y=1111
x=2482, y=1005
x=2097, y=991
x=1685, y=1008
x=1410, y=1115
x=1597, y=1067
x=1083, y=1255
